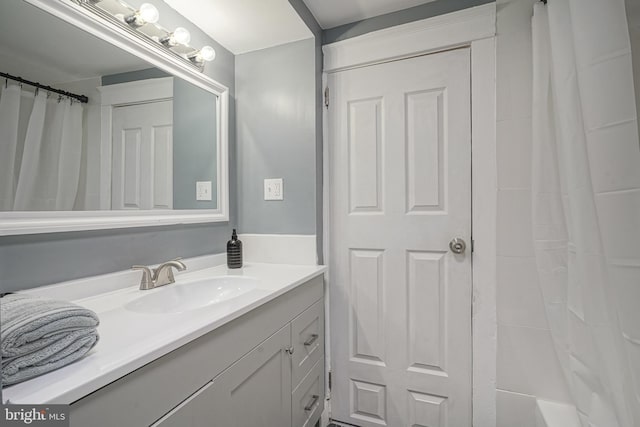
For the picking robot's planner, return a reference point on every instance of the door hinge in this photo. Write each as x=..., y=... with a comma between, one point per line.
x=329, y=381
x=473, y=245
x=326, y=97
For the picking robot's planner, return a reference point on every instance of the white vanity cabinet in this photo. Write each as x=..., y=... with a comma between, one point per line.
x=265, y=368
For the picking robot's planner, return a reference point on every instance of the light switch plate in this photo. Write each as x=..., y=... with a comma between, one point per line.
x=273, y=189
x=203, y=190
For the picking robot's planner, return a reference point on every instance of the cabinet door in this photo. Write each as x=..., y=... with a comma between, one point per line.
x=255, y=391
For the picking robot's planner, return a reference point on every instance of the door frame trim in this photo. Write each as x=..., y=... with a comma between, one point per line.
x=429, y=35
x=474, y=28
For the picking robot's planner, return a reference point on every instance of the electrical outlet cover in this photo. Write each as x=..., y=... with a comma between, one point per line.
x=273, y=189
x=203, y=190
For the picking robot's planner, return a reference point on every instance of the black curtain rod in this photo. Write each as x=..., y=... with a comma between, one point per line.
x=81, y=98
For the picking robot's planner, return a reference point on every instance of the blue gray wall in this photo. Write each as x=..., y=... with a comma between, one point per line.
x=132, y=76
x=40, y=259
x=308, y=18
x=427, y=10
x=276, y=116
x=33, y=260
x=194, y=148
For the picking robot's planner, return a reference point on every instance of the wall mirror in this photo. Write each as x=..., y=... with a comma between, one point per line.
x=147, y=147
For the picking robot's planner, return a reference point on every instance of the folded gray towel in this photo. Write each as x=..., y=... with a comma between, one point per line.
x=40, y=335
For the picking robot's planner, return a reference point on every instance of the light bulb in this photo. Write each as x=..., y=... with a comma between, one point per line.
x=181, y=36
x=198, y=57
x=208, y=53
x=149, y=13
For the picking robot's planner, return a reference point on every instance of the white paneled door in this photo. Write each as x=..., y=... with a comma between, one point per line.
x=400, y=185
x=142, y=175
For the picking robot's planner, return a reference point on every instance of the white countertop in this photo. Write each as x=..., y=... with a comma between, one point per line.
x=129, y=340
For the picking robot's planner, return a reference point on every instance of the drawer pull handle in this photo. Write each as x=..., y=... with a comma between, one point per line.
x=311, y=340
x=314, y=400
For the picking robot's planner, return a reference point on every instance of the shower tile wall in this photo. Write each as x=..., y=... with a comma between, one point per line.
x=527, y=366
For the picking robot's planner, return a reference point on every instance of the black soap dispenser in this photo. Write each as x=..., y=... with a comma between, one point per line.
x=234, y=251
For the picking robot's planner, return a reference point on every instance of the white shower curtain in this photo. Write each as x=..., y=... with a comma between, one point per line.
x=586, y=203
x=39, y=166
x=9, y=116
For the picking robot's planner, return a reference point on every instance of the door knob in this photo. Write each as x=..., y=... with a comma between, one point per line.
x=457, y=246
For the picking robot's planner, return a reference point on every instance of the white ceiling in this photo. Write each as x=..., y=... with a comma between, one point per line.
x=245, y=25
x=331, y=13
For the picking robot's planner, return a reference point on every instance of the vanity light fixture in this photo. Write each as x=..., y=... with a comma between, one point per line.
x=179, y=36
x=207, y=53
x=144, y=21
x=147, y=14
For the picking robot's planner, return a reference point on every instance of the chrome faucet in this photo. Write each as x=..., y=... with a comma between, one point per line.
x=160, y=276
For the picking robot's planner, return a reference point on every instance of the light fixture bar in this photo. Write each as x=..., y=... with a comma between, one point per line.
x=148, y=14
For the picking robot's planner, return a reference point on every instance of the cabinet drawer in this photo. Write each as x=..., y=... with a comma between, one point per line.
x=308, y=398
x=307, y=339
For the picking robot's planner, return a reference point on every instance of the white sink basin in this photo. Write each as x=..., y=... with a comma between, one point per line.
x=177, y=298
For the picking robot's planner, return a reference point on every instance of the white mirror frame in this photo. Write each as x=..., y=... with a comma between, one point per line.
x=16, y=223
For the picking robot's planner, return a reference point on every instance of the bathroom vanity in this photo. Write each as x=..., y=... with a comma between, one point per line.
x=253, y=356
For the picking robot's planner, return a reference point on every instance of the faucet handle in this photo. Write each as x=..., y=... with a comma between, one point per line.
x=147, y=276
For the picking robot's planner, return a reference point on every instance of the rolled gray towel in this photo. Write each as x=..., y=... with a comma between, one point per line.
x=40, y=335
